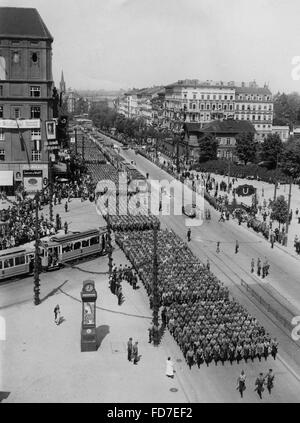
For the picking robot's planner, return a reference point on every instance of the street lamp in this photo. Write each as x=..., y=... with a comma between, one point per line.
x=36, y=288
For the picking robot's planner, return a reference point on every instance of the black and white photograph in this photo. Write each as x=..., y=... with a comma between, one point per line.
x=150, y=204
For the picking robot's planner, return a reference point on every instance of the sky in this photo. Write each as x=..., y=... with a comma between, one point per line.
x=113, y=44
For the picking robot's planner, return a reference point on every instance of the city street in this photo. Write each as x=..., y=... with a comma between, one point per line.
x=44, y=362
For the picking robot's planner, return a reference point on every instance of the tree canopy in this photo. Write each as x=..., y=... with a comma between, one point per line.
x=207, y=148
x=246, y=147
x=290, y=159
x=279, y=209
x=271, y=150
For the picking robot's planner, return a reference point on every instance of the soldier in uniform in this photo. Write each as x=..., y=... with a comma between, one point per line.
x=237, y=247
x=129, y=349
x=199, y=356
x=189, y=234
x=190, y=357
x=241, y=383
x=260, y=385
x=252, y=265
x=274, y=348
x=258, y=267
x=218, y=247
x=270, y=380
x=259, y=350
x=66, y=227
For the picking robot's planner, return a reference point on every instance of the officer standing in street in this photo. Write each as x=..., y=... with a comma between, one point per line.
x=189, y=234
x=237, y=247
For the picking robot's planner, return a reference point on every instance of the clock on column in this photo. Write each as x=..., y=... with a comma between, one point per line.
x=88, y=323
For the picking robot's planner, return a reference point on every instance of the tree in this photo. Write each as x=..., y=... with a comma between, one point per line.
x=290, y=160
x=286, y=108
x=271, y=149
x=246, y=147
x=207, y=148
x=279, y=209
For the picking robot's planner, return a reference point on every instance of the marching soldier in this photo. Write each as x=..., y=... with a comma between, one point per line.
x=218, y=247
x=270, y=380
x=190, y=357
x=199, y=356
x=241, y=383
x=274, y=348
x=129, y=349
x=208, y=265
x=260, y=385
x=259, y=350
x=258, y=267
x=66, y=207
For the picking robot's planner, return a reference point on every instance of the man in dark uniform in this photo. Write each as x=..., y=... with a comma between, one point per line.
x=260, y=385
x=129, y=349
x=189, y=234
x=66, y=226
x=236, y=247
x=270, y=380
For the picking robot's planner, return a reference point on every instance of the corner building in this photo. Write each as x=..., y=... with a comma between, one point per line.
x=26, y=85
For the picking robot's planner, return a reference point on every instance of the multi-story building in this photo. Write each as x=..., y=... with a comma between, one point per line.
x=139, y=104
x=194, y=101
x=202, y=102
x=26, y=90
x=255, y=104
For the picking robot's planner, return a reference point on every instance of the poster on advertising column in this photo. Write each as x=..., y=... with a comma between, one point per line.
x=51, y=129
x=32, y=180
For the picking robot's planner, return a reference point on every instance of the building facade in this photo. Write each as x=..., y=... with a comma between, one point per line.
x=203, y=102
x=26, y=93
x=283, y=131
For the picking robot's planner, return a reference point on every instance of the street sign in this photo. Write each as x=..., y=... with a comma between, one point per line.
x=245, y=190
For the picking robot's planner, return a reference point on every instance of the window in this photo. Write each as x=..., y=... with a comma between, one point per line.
x=220, y=97
x=1, y=90
x=1, y=111
x=194, y=106
x=2, y=155
x=225, y=97
x=230, y=107
x=228, y=141
x=243, y=107
x=220, y=106
x=194, y=96
x=34, y=57
x=231, y=97
x=67, y=248
x=35, y=91
x=77, y=245
x=253, y=117
x=35, y=112
x=208, y=97
x=95, y=240
x=207, y=107
x=36, y=134
x=202, y=106
x=85, y=243
x=9, y=263
x=184, y=95
x=225, y=106
x=258, y=117
x=19, y=260
x=214, y=97
x=248, y=117
x=2, y=135
x=17, y=113
x=202, y=97
x=36, y=156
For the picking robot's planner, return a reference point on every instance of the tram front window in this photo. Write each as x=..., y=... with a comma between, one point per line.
x=77, y=245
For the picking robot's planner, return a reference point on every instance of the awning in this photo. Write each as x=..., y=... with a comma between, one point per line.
x=6, y=178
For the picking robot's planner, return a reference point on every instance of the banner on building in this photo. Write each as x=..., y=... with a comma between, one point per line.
x=20, y=123
x=50, y=129
x=32, y=180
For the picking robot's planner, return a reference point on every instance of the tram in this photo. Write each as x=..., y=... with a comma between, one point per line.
x=16, y=261
x=54, y=253
x=63, y=248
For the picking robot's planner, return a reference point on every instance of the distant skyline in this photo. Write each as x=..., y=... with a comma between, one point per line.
x=120, y=44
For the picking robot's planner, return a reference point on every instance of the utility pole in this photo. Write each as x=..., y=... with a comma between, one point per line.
x=275, y=186
x=228, y=176
x=288, y=211
x=177, y=154
x=82, y=151
x=36, y=288
x=50, y=189
x=155, y=286
x=75, y=140
x=110, y=260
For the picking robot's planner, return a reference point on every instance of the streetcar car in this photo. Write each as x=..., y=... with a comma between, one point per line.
x=63, y=248
x=16, y=261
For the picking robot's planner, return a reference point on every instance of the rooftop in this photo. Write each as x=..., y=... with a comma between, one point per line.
x=21, y=22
